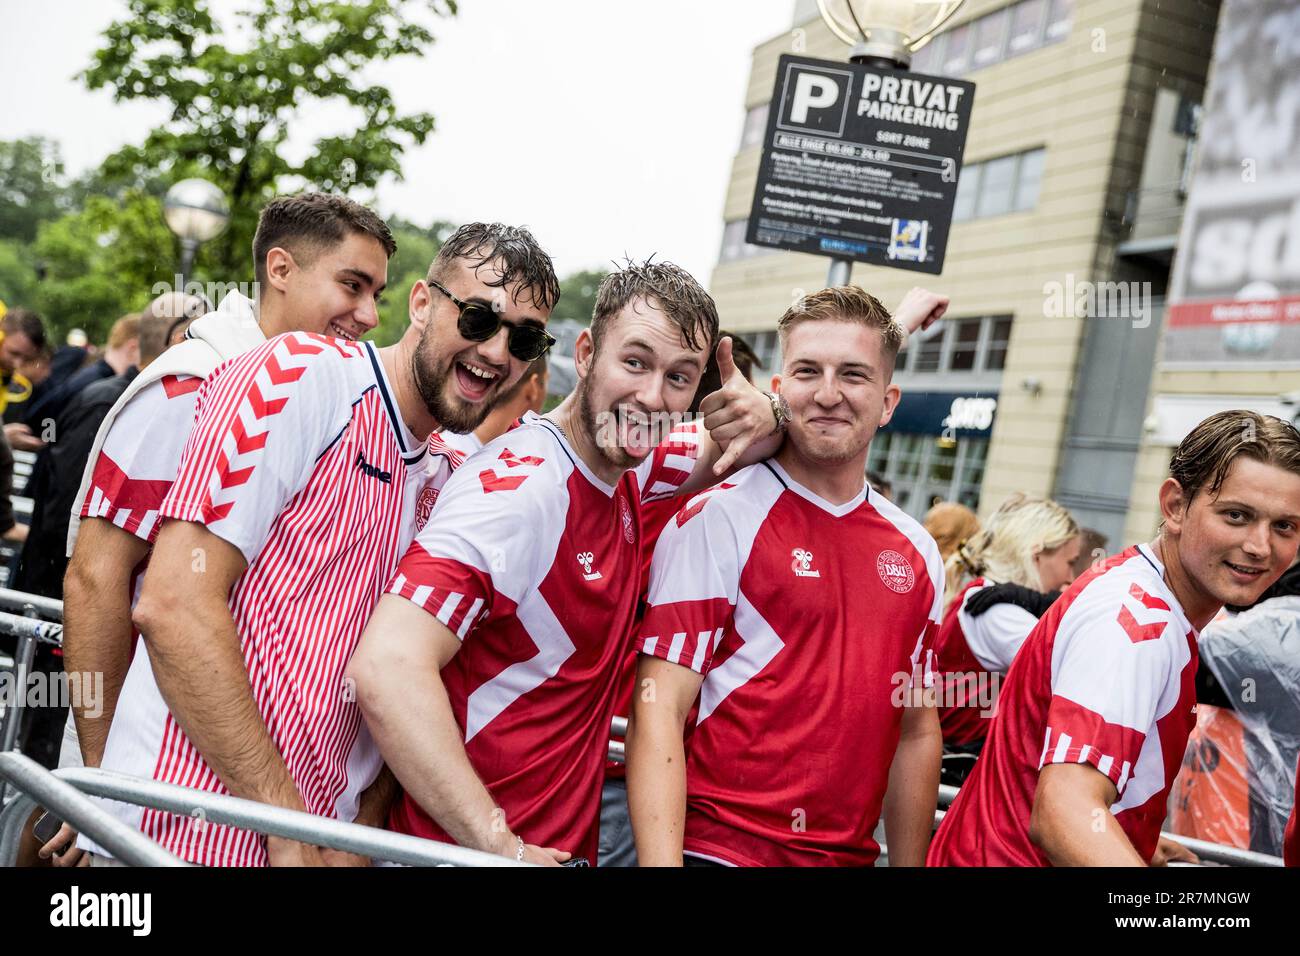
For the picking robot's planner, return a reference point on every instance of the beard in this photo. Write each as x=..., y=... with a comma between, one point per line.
x=452, y=413
x=604, y=435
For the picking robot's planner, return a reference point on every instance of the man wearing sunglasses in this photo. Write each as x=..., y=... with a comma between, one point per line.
x=489, y=672
x=308, y=473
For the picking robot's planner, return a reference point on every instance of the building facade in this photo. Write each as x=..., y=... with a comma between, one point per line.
x=1038, y=381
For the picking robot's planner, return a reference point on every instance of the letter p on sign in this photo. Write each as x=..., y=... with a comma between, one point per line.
x=812, y=91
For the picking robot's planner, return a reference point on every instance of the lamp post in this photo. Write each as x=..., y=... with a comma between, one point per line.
x=196, y=210
x=882, y=33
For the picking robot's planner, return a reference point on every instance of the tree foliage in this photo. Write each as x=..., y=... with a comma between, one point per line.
x=416, y=248
x=578, y=295
x=233, y=106
x=31, y=190
x=101, y=262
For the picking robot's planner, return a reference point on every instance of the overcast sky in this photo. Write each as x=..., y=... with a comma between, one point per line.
x=607, y=126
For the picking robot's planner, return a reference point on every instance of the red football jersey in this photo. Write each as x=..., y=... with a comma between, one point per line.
x=535, y=566
x=972, y=654
x=808, y=621
x=654, y=517
x=1107, y=678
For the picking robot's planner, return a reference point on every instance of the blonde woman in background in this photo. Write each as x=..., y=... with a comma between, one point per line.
x=1031, y=542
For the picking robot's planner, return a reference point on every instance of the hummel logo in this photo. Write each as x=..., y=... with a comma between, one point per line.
x=585, y=558
x=371, y=471
x=801, y=564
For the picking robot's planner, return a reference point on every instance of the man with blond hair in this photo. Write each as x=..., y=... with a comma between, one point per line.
x=791, y=612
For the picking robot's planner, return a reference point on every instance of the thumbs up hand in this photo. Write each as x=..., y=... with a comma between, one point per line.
x=738, y=416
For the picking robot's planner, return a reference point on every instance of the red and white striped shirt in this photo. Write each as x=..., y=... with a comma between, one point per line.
x=533, y=562
x=141, y=455
x=1106, y=678
x=298, y=458
x=809, y=621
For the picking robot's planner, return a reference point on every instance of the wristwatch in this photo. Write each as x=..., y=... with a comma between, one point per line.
x=780, y=410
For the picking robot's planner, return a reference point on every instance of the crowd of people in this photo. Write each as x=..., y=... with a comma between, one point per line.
x=379, y=584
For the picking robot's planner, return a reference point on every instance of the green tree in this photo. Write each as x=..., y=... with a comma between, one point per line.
x=578, y=295
x=232, y=109
x=102, y=262
x=31, y=188
x=416, y=247
x=17, y=274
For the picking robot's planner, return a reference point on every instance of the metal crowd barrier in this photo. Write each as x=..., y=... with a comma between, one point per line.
x=36, y=786
x=65, y=792
x=1208, y=852
x=29, y=631
x=31, y=605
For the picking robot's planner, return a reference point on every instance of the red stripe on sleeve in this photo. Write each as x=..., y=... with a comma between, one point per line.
x=1111, y=748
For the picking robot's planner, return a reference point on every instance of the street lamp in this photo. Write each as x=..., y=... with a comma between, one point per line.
x=886, y=30
x=196, y=211
x=882, y=33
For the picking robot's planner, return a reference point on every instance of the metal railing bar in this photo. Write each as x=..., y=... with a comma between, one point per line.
x=46, y=607
x=276, y=821
x=70, y=804
x=1208, y=852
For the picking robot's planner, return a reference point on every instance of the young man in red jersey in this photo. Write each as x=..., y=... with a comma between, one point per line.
x=1094, y=715
x=919, y=309
x=783, y=605
x=488, y=674
x=305, y=478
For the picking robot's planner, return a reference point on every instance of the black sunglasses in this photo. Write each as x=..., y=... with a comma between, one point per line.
x=479, y=322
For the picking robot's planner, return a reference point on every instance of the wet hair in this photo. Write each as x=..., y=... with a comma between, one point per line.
x=845, y=303
x=1202, y=460
x=668, y=287
x=513, y=249
x=309, y=223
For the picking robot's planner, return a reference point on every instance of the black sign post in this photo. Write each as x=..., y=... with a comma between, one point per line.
x=860, y=163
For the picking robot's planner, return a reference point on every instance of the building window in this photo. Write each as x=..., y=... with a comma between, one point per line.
x=989, y=34
x=999, y=338
x=997, y=36
x=965, y=345
x=957, y=51
x=1026, y=26
x=996, y=187
x=926, y=469
x=976, y=344
x=755, y=126
x=1028, y=178
x=1060, y=20
x=999, y=186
